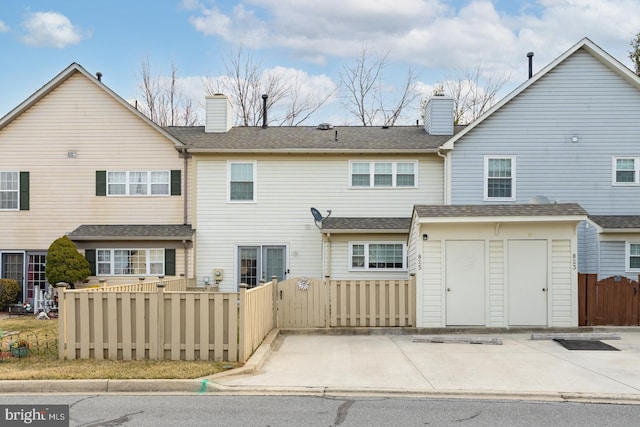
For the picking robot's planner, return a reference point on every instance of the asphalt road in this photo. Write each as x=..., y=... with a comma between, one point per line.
x=110, y=410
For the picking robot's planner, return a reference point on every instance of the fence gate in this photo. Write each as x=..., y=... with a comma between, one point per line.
x=302, y=303
x=613, y=301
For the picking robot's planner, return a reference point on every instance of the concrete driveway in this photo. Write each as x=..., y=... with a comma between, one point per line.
x=396, y=364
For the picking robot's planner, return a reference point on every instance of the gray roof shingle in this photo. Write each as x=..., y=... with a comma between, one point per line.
x=365, y=224
x=617, y=222
x=551, y=209
x=133, y=232
x=308, y=139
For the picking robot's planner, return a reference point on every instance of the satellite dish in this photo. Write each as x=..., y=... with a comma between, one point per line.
x=539, y=200
x=317, y=216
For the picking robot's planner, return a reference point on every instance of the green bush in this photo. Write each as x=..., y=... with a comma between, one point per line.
x=65, y=263
x=9, y=290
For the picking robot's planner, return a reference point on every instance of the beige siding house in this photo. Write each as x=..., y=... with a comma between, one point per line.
x=78, y=160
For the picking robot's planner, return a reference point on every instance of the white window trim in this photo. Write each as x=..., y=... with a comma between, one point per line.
x=394, y=174
x=486, y=179
x=255, y=180
x=128, y=183
x=627, y=257
x=17, y=208
x=636, y=172
x=366, y=255
x=112, y=261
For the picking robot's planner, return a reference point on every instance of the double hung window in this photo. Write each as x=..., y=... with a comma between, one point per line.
x=377, y=256
x=382, y=174
x=499, y=172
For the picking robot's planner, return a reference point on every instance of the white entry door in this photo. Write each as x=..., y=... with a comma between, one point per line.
x=527, y=281
x=465, y=265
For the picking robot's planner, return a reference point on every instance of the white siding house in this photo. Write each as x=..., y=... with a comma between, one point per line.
x=255, y=188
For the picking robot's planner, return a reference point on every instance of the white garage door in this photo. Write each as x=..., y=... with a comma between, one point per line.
x=465, y=283
x=527, y=282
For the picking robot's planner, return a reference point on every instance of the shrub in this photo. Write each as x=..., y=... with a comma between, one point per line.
x=65, y=263
x=9, y=290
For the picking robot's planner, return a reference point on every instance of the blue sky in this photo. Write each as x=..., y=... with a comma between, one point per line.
x=39, y=38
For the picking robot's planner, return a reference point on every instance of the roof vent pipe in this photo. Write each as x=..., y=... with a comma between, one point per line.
x=99, y=76
x=264, y=110
x=530, y=56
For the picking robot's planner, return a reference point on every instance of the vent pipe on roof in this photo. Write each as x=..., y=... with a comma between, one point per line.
x=264, y=110
x=99, y=76
x=530, y=56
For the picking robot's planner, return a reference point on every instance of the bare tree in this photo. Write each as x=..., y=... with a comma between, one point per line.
x=474, y=91
x=366, y=97
x=162, y=98
x=634, y=53
x=246, y=81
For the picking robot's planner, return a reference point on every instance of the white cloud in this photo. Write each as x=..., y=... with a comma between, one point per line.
x=50, y=29
x=3, y=27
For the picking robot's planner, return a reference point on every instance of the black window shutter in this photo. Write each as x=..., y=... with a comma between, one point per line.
x=90, y=255
x=24, y=191
x=101, y=183
x=176, y=183
x=169, y=262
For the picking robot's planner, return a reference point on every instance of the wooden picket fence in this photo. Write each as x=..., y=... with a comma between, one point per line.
x=163, y=320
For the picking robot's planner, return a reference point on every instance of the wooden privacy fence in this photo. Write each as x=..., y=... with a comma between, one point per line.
x=614, y=301
x=163, y=325
x=303, y=303
x=144, y=286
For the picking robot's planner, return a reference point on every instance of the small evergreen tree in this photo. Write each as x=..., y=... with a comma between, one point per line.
x=65, y=263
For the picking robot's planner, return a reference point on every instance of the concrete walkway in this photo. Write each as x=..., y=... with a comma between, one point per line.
x=519, y=368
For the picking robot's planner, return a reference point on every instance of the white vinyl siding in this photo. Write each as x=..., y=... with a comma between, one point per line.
x=383, y=174
x=281, y=215
x=378, y=256
x=242, y=185
x=140, y=183
x=497, y=316
x=563, y=292
x=626, y=171
x=130, y=262
x=9, y=190
x=499, y=178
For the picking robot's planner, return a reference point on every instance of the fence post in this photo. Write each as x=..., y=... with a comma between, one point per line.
x=411, y=301
x=62, y=320
x=160, y=289
x=327, y=305
x=242, y=322
x=274, y=291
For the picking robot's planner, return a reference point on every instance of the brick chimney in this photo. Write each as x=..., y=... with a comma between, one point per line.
x=219, y=115
x=438, y=115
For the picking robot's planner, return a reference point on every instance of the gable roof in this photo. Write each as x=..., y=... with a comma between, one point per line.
x=309, y=139
x=61, y=78
x=500, y=213
x=585, y=44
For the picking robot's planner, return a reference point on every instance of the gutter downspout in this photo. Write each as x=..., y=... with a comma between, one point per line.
x=185, y=208
x=445, y=196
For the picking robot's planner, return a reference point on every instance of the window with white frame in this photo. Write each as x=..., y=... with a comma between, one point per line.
x=9, y=190
x=383, y=174
x=130, y=262
x=626, y=171
x=377, y=256
x=139, y=183
x=499, y=178
x=632, y=253
x=241, y=183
